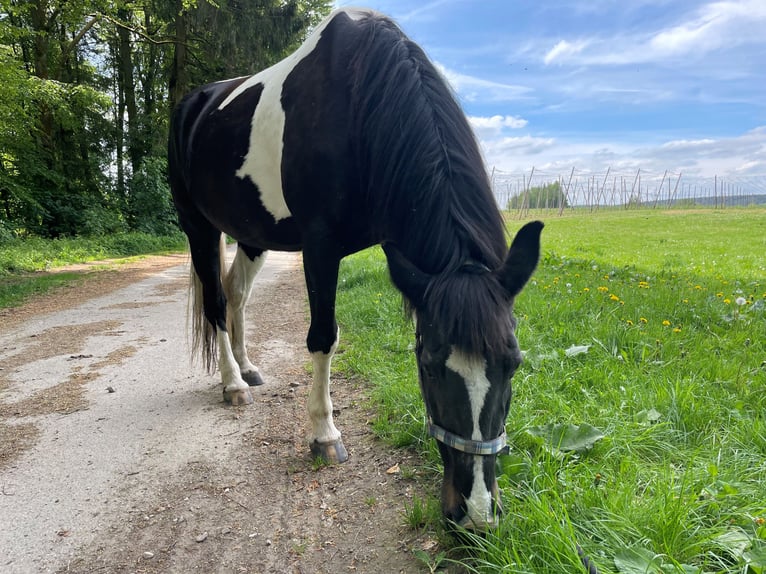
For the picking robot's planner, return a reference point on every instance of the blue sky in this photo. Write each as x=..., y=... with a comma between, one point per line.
x=591, y=84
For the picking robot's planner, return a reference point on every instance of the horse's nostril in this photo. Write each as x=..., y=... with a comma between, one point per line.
x=456, y=515
x=479, y=525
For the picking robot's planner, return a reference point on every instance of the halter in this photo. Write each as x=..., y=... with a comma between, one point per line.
x=497, y=445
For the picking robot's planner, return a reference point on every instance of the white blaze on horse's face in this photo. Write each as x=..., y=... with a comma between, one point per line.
x=474, y=372
x=467, y=395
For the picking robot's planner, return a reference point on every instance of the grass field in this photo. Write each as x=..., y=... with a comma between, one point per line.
x=638, y=424
x=23, y=261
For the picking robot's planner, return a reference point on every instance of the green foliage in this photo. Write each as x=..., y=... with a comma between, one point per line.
x=84, y=103
x=39, y=254
x=150, y=205
x=545, y=196
x=239, y=38
x=671, y=320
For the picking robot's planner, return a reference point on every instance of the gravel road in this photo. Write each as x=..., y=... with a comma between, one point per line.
x=116, y=455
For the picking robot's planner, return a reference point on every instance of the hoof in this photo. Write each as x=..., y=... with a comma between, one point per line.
x=332, y=452
x=238, y=397
x=252, y=378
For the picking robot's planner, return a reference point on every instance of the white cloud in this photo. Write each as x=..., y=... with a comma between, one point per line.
x=744, y=154
x=471, y=88
x=713, y=27
x=496, y=123
x=517, y=146
x=563, y=50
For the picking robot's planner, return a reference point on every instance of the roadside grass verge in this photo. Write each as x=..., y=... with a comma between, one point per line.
x=22, y=261
x=648, y=327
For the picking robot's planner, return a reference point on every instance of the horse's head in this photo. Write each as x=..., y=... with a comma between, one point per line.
x=467, y=353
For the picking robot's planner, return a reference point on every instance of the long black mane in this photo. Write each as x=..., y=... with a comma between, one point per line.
x=425, y=179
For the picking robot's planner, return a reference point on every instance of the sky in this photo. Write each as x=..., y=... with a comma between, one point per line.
x=603, y=84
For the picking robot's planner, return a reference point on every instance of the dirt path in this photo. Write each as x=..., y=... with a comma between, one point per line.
x=117, y=456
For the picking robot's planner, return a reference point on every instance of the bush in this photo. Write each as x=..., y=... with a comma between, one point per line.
x=150, y=205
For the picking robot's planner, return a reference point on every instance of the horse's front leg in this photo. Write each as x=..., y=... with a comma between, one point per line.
x=238, y=285
x=321, y=280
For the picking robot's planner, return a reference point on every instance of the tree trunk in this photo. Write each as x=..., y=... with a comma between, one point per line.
x=179, y=75
x=128, y=88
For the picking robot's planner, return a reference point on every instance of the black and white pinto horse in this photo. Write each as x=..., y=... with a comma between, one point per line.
x=356, y=140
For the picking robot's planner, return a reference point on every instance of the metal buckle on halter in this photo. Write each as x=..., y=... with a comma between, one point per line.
x=497, y=445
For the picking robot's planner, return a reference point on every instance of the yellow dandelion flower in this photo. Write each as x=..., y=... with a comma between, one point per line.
x=643, y=320
x=727, y=301
x=666, y=323
x=603, y=289
x=719, y=294
x=586, y=290
x=614, y=297
x=677, y=330
x=684, y=300
x=698, y=287
x=643, y=285
x=629, y=322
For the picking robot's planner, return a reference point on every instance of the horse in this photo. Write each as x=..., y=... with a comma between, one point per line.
x=354, y=140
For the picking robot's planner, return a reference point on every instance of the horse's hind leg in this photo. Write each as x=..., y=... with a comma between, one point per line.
x=206, y=244
x=238, y=285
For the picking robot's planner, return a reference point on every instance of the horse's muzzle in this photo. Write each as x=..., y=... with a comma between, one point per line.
x=457, y=510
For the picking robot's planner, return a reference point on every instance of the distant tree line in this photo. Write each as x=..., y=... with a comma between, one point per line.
x=545, y=196
x=86, y=89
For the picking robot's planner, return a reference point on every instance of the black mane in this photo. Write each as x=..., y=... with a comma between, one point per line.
x=424, y=177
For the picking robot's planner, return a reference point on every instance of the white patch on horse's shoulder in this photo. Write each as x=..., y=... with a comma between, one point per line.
x=263, y=161
x=473, y=369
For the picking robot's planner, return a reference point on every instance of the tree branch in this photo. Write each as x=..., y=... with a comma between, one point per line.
x=136, y=31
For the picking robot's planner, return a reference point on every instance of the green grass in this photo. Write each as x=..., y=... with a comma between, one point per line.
x=671, y=307
x=38, y=254
x=15, y=290
x=22, y=261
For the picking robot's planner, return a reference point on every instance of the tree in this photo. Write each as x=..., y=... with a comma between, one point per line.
x=86, y=89
x=232, y=38
x=548, y=195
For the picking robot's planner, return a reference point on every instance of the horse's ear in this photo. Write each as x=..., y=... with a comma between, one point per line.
x=410, y=280
x=522, y=258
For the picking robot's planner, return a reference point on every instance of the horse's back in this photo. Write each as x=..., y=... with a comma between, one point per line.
x=267, y=156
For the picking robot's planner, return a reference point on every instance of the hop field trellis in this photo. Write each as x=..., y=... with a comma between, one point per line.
x=586, y=189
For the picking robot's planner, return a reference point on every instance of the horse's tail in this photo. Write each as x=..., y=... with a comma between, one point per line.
x=204, y=343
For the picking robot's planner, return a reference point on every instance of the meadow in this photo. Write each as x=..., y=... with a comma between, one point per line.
x=23, y=262
x=638, y=423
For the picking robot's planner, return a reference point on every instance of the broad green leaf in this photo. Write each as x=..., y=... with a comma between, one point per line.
x=735, y=542
x=575, y=350
x=568, y=437
x=681, y=568
x=756, y=559
x=636, y=561
x=650, y=416
x=514, y=467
